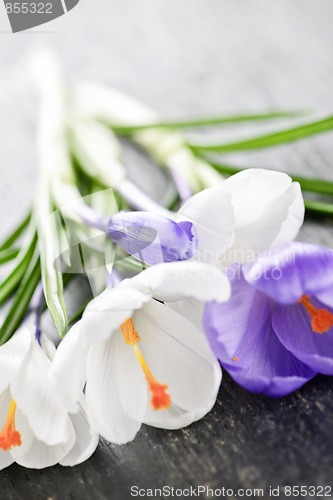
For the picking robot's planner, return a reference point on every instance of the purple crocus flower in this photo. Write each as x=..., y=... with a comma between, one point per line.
x=152, y=238
x=276, y=332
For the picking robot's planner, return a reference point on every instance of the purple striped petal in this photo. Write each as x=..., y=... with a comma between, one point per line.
x=241, y=335
x=325, y=296
x=152, y=238
x=288, y=272
x=292, y=325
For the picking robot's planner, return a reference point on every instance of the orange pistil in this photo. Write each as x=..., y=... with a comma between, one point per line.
x=235, y=358
x=160, y=399
x=322, y=319
x=9, y=436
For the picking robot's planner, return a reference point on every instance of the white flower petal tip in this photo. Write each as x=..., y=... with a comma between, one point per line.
x=295, y=217
x=200, y=281
x=268, y=207
x=68, y=369
x=34, y=453
x=177, y=417
x=12, y=354
x=248, y=213
x=212, y=215
x=180, y=280
x=86, y=440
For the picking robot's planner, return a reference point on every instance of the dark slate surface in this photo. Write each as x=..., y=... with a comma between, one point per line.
x=247, y=441
x=189, y=57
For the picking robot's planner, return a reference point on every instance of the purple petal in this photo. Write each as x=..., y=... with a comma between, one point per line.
x=152, y=238
x=288, y=272
x=326, y=296
x=292, y=325
x=188, y=228
x=241, y=335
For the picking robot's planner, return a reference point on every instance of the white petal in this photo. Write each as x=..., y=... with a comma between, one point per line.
x=5, y=398
x=5, y=459
x=268, y=206
x=35, y=454
x=178, y=355
x=116, y=392
x=212, y=214
x=12, y=354
x=192, y=309
x=5, y=456
x=106, y=312
x=186, y=279
x=68, y=370
x=175, y=417
x=295, y=217
x=85, y=443
x=34, y=395
x=48, y=346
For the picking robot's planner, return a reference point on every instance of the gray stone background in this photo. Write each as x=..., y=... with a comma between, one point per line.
x=188, y=58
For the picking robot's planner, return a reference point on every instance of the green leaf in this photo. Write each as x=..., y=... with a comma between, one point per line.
x=319, y=208
x=21, y=264
x=307, y=184
x=18, y=230
x=51, y=277
x=311, y=185
x=204, y=122
x=8, y=255
x=21, y=301
x=272, y=139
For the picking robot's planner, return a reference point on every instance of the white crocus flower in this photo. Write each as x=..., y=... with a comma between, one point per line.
x=251, y=212
x=35, y=431
x=143, y=362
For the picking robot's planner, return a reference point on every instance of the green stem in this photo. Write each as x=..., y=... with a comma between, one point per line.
x=311, y=185
x=204, y=122
x=307, y=184
x=18, y=230
x=23, y=260
x=271, y=139
x=8, y=255
x=319, y=208
x=21, y=301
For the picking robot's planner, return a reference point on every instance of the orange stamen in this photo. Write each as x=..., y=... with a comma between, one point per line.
x=9, y=436
x=130, y=335
x=235, y=358
x=160, y=399
x=322, y=319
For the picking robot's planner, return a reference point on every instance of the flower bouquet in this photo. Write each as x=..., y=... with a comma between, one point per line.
x=208, y=279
